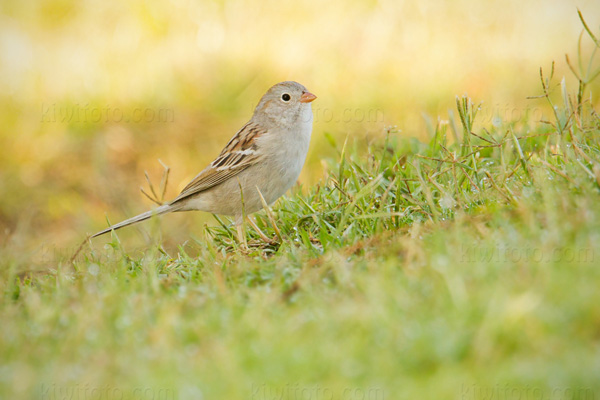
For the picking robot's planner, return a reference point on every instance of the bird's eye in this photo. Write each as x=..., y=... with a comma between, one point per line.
x=285, y=97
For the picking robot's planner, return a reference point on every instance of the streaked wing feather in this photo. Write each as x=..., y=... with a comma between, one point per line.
x=239, y=154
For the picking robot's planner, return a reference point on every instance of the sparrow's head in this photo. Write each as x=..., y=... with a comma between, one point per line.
x=285, y=103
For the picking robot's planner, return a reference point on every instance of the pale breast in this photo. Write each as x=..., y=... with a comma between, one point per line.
x=284, y=156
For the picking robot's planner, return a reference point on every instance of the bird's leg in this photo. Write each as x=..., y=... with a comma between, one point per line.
x=257, y=229
x=239, y=220
x=241, y=235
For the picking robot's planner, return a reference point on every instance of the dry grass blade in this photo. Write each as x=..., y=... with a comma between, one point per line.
x=262, y=235
x=165, y=180
x=162, y=188
x=571, y=67
x=507, y=197
x=557, y=171
x=587, y=29
x=151, y=198
x=74, y=256
x=270, y=215
x=150, y=185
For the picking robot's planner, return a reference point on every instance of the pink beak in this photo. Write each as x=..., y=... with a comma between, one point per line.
x=307, y=97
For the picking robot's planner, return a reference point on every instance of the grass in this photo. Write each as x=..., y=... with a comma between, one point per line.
x=465, y=267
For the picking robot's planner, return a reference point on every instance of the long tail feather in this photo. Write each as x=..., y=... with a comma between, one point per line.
x=138, y=218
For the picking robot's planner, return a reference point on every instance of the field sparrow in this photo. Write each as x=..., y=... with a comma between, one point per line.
x=266, y=155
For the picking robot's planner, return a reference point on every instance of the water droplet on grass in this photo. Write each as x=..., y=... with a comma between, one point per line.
x=93, y=269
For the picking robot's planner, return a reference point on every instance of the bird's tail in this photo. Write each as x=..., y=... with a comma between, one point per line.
x=138, y=218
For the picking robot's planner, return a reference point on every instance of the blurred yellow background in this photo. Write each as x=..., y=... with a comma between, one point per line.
x=92, y=93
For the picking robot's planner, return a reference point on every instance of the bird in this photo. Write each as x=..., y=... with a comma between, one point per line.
x=258, y=165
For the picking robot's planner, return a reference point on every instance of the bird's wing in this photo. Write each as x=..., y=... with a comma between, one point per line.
x=240, y=153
